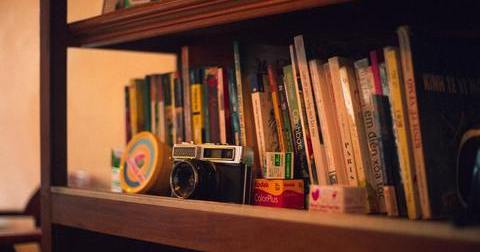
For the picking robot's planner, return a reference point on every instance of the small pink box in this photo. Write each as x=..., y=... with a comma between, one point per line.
x=338, y=199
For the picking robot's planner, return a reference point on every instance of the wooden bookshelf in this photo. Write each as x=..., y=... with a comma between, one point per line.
x=73, y=219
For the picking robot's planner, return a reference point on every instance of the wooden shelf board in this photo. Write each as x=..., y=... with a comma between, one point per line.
x=176, y=16
x=213, y=226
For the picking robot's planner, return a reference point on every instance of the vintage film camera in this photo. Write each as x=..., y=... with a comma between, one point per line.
x=212, y=172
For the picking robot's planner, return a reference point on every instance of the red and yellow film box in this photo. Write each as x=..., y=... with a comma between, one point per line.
x=286, y=193
x=338, y=199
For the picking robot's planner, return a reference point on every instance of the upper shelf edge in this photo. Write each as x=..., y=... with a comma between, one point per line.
x=176, y=16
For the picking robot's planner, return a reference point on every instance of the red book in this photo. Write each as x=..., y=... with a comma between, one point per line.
x=376, y=57
x=212, y=99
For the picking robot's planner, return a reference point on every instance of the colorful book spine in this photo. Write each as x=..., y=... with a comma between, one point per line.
x=367, y=89
x=128, y=125
x=161, y=132
x=400, y=122
x=196, y=102
x=212, y=104
x=311, y=113
x=272, y=79
x=413, y=119
x=233, y=102
x=322, y=89
x=178, y=101
x=301, y=161
x=288, y=133
x=357, y=132
x=223, y=123
x=312, y=172
x=240, y=98
x=351, y=167
x=376, y=57
x=187, y=108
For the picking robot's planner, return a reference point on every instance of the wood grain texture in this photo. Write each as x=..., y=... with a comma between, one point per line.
x=218, y=226
x=53, y=106
x=175, y=16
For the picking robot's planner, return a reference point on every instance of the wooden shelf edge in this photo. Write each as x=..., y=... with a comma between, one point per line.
x=213, y=226
x=176, y=16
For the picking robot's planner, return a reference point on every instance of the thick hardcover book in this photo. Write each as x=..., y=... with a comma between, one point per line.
x=187, y=108
x=211, y=80
x=312, y=172
x=301, y=162
x=442, y=84
x=178, y=101
x=224, y=120
x=146, y=104
x=322, y=88
x=311, y=112
x=233, y=104
x=351, y=95
x=277, y=110
x=128, y=125
x=368, y=87
x=402, y=132
x=196, y=77
x=393, y=177
x=287, y=126
x=341, y=114
x=169, y=108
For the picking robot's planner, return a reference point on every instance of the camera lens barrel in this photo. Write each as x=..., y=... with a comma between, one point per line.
x=194, y=179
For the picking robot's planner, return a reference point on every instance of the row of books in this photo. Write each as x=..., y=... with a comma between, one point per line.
x=390, y=122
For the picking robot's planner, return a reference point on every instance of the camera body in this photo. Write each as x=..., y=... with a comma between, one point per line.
x=212, y=172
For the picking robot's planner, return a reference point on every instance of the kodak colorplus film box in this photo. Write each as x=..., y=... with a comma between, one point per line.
x=338, y=199
x=279, y=193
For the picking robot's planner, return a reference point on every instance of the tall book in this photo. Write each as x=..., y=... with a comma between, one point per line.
x=342, y=116
x=146, y=104
x=153, y=105
x=376, y=58
x=300, y=160
x=224, y=119
x=401, y=129
x=312, y=172
x=233, y=104
x=442, y=90
x=158, y=82
x=311, y=113
x=196, y=77
x=277, y=110
x=368, y=88
x=287, y=126
x=351, y=96
x=324, y=98
x=133, y=109
x=170, y=130
x=187, y=108
x=128, y=125
x=178, y=108
x=211, y=84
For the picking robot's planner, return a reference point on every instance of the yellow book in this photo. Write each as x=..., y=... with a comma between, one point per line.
x=197, y=117
x=132, y=90
x=401, y=129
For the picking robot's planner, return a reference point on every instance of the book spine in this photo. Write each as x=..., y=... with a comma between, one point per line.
x=376, y=57
x=146, y=104
x=357, y=132
x=140, y=97
x=178, y=94
x=301, y=161
x=257, y=118
x=128, y=124
x=323, y=94
x=272, y=79
x=367, y=89
x=187, y=109
x=205, y=109
x=169, y=112
x=222, y=120
x=133, y=107
x=288, y=133
x=196, y=102
x=312, y=172
x=212, y=96
x=351, y=167
x=153, y=105
x=414, y=121
x=383, y=78
x=173, y=107
x=400, y=122
x=233, y=98
x=311, y=112
x=240, y=98
x=161, y=109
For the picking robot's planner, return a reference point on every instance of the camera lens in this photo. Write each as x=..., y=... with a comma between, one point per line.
x=194, y=179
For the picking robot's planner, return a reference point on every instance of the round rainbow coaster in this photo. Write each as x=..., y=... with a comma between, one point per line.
x=145, y=165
